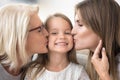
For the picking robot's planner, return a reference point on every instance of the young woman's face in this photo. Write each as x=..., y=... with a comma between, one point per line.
x=36, y=41
x=60, y=38
x=84, y=37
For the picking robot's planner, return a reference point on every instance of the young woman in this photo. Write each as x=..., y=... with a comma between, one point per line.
x=97, y=20
x=60, y=63
x=21, y=35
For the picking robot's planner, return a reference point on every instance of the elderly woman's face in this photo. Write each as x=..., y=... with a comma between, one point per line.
x=37, y=41
x=84, y=37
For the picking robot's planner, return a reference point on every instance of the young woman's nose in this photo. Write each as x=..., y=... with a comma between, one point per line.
x=73, y=32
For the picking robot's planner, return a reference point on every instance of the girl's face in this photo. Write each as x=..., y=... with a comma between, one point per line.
x=84, y=37
x=60, y=38
x=36, y=41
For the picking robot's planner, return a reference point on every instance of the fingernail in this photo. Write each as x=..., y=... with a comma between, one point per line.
x=103, y=49
x=100, y=40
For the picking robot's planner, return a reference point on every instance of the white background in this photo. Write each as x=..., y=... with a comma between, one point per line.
x=48, y=7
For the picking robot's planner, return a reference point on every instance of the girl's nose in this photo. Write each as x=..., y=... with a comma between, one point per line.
x=62, y=36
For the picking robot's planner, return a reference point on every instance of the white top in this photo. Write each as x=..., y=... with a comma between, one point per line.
x=4, y=75
x=71, y=72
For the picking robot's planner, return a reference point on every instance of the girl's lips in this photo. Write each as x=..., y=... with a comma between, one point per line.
x=61, y=43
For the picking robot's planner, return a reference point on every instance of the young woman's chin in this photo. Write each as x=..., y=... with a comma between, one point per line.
x=80, y=47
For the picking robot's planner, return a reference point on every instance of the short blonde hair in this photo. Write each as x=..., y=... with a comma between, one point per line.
x=14, y=23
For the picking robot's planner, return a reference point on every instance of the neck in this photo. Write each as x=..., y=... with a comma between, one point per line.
x=57, y=61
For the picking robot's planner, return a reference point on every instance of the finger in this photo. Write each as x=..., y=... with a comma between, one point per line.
x=97, y=50
x=104, y=56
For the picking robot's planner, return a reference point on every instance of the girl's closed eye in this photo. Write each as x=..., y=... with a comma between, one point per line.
x=53, y=33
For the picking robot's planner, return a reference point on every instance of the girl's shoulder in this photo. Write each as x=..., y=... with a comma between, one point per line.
x=76, y=65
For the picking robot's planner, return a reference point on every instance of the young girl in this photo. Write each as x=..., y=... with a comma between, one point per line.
x=60, y=62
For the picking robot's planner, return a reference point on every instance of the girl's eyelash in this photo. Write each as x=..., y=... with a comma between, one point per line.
x=53, y=33
x=80, y=24
x=58, y=33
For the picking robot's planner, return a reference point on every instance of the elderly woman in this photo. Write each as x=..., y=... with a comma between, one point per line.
x=22, y=34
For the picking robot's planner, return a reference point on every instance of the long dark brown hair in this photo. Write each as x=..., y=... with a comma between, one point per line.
x=103, y=17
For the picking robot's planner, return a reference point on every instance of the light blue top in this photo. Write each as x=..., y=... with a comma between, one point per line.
x=4, y=75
